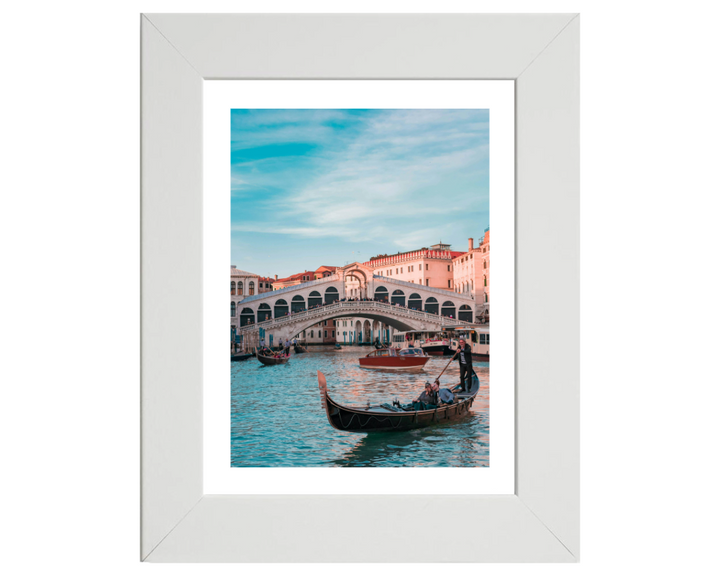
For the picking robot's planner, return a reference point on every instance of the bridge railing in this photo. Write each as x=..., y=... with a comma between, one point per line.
x=302, y=285
x=350, y=307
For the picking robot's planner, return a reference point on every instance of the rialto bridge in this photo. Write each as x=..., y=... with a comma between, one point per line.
x=403, y=305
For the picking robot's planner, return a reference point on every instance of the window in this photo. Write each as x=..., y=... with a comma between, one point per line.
x=232, y=288
x=427, y=281
x=240, y=288
x=325, y=333
x=251, y=288
x=485, y=264
x=486, y=297
x=427, y=266
x=232, y=309
x=401, y=271
x=312, y=333
x=333, y=333
x=449, y=283
x=396, y=270
x=485, y=280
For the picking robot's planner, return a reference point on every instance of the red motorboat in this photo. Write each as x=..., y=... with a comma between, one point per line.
x=395, y=359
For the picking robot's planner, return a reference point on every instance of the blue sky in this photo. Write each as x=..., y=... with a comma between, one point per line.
x=329, y=187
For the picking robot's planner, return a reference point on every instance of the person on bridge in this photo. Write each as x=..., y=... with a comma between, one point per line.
x=464, y=358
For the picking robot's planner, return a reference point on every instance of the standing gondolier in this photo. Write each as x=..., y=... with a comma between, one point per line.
x=465, y=360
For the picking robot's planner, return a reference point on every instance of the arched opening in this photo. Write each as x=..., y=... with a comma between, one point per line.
x=251, y=288
x=358, y=333
x=331, y=295
x=314, y=299
x=232, y=309
x=247, y=316
x=381, y=294
x=281, y=309
x=398, y=297
x=465, y=313
x=431, y=305
x=232, y=288
x=240, y=288
x=448, y=309
x=297, y=304
x=264, y=312
x=415, y=302
x=367, y=336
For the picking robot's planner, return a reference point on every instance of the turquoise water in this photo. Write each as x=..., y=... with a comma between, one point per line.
x=277, y=418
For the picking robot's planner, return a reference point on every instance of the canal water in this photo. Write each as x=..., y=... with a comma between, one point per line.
x=278, y=420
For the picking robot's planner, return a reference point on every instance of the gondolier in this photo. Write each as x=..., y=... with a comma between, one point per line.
x=464, y=357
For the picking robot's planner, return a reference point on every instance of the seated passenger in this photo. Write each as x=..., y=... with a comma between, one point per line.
x=429, y=396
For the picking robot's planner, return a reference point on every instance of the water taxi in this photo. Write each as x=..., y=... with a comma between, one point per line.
x=395, y=359
x=476, y=335
x=434, y=343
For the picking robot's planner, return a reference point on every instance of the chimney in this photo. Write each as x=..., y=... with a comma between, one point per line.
x=275, y=276
x=470, y=244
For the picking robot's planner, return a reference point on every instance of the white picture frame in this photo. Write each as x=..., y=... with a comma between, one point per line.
x=540, y=522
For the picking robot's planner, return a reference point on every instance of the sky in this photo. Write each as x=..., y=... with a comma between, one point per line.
x=330, y=187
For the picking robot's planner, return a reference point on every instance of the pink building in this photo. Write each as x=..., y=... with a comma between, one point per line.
x=427, y=266
x=471, y=275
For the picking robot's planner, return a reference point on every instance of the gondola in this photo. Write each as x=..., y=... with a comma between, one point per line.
x=391, y=418
x=239, y=357
x=299, y=349
x=338, y=347
x=271, y=360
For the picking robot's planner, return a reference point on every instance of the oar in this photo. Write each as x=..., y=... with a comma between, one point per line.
x=446, y=367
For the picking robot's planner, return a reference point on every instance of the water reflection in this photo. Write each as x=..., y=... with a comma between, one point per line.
x=277, y=418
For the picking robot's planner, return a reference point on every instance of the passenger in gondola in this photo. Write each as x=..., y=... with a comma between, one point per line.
x=429, y=396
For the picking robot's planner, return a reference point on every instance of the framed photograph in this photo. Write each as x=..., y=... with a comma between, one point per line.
x=350, y=168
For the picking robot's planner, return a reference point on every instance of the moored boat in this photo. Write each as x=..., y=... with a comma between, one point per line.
x=299, y=349
x=394, y=417
x=271, y=359
x=239, y=357
x=394, y=359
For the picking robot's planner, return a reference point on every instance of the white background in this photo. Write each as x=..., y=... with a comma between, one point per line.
x=218, y=99
x=70, y=245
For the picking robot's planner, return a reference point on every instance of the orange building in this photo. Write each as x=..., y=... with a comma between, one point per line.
x=300, y=277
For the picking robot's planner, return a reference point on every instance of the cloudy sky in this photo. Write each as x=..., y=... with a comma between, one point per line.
x=329, y=187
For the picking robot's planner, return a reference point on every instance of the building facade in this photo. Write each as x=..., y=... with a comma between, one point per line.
x=242, y=285
x=324, y=332
x=362, y=331
x=471, y=275
x=430, y=267
x=300, y=277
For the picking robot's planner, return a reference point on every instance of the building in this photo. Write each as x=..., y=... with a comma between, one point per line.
x=242, y=285
x=430, y=267
x=362, y=331
x=471, y=275
x=321, y=333
x=300, y=277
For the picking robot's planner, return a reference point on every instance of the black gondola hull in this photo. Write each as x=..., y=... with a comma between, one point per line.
x=348, y=419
